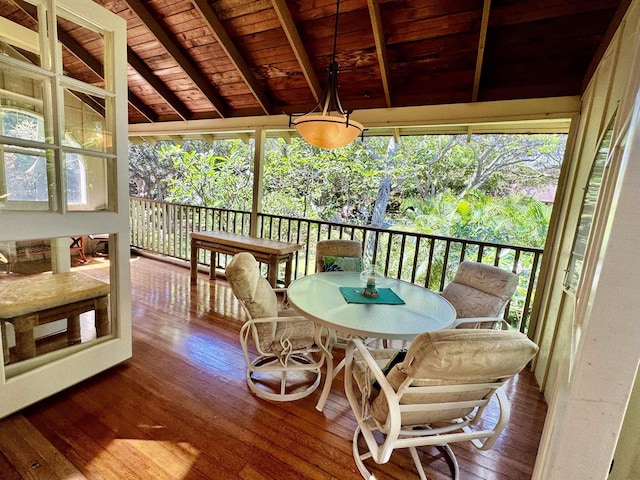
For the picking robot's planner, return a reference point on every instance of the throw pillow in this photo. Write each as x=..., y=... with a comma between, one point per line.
x=341, y=264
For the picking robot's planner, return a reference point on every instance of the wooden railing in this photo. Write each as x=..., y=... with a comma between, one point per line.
x=429, y=260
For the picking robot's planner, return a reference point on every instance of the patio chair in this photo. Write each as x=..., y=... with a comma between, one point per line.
x=345, y=255
x=339, y=255
x=480, y=293
x=288, y=361
x=435, y=396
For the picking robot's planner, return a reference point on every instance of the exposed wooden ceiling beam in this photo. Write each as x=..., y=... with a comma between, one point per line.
x=232, y=52
x=381, y=49
x=151, y=78
x=481, y=44
x=144, y=109
x=299, y=51
x=189, y=67
x=90, y=61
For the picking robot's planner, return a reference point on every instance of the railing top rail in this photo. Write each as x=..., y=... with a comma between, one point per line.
x=369, y=228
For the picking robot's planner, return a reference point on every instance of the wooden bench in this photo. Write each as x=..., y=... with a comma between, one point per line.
x=270, y=252
x=36, y=300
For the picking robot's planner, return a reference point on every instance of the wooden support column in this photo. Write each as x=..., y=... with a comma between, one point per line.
x=258, y=175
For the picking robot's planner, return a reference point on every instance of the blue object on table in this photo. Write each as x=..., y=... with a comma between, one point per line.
x=386, y=296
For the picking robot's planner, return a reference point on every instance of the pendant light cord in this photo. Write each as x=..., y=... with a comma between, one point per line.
x=335, y=31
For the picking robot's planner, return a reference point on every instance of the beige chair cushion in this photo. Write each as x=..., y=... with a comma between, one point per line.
x=254, y=291
x=295, y=335
x=480, y=290
x=449, y=357
x=336, y=248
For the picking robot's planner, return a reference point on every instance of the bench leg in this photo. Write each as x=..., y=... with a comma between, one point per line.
x=25, y=341
x=214, y=263
x=5, y=343
x=273, y=270
x=73, y=329
x=194, y=262
x=103, y=326
x=287, y=271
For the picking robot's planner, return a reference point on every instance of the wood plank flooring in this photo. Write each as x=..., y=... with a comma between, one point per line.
x=180, y=409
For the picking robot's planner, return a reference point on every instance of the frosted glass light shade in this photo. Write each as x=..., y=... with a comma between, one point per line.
x=327, y=131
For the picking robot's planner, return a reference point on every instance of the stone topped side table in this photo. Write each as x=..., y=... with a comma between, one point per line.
x=40, y=299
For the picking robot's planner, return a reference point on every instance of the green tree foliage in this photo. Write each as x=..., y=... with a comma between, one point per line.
x=326, y=184
x=217, y=175
x=515, y=220
x=149, y=172
x=467, y=187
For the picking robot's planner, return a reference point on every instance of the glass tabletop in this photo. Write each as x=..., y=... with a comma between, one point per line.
x=318, y=297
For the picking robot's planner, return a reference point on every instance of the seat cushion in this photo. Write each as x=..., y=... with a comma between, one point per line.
x=292, y=335
x=449, y=357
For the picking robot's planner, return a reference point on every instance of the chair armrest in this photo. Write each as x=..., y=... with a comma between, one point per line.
x=357, y=344
x=474, y=322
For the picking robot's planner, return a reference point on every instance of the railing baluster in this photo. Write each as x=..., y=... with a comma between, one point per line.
x=445, y=264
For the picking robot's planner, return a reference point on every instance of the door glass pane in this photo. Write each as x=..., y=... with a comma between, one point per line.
x=79, y=42
x=84, y=121
x=21, y=106
x=589, y=201
x=68, y=311
x=87, y=182
x=27, y=180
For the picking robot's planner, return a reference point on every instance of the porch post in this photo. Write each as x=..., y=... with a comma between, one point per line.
x=258, y=173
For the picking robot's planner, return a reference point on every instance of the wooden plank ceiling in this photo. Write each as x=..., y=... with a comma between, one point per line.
x=198, y=59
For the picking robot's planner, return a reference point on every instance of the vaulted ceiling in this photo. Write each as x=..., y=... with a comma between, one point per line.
x=201, y=59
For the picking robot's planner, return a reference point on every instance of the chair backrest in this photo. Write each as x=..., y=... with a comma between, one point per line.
x=254, y=292
x=348, y=249
x=478, y=361
x=480, y=290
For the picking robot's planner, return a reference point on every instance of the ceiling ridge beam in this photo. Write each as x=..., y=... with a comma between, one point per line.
x=188, y=66
x=484, y=26
x=226, y=43
x=291, y=32
x=381, y=48
x=161, y=88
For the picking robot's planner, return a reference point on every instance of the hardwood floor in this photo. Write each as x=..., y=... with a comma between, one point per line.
x=180, y=409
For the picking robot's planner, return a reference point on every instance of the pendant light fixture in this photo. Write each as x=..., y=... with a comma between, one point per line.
x=319, y=127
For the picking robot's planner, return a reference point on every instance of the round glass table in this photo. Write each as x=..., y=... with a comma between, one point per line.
x=318, y=298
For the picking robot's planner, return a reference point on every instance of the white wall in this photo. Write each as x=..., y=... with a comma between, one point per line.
x=589, y=369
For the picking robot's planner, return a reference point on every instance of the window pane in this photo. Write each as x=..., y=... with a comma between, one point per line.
x=28, y=180
x=76, y=180
x=22, y=43
x=21, y=106
x=589, y=202
x=97, y=170
x=84, y=122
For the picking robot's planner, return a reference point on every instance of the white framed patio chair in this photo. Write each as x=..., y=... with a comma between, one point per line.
x=480, y=293
x=340, y=255
x=347, y=252
x=435, y=396
x=283, y=360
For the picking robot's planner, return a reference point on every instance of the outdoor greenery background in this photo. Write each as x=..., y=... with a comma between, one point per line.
x=478, y=187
